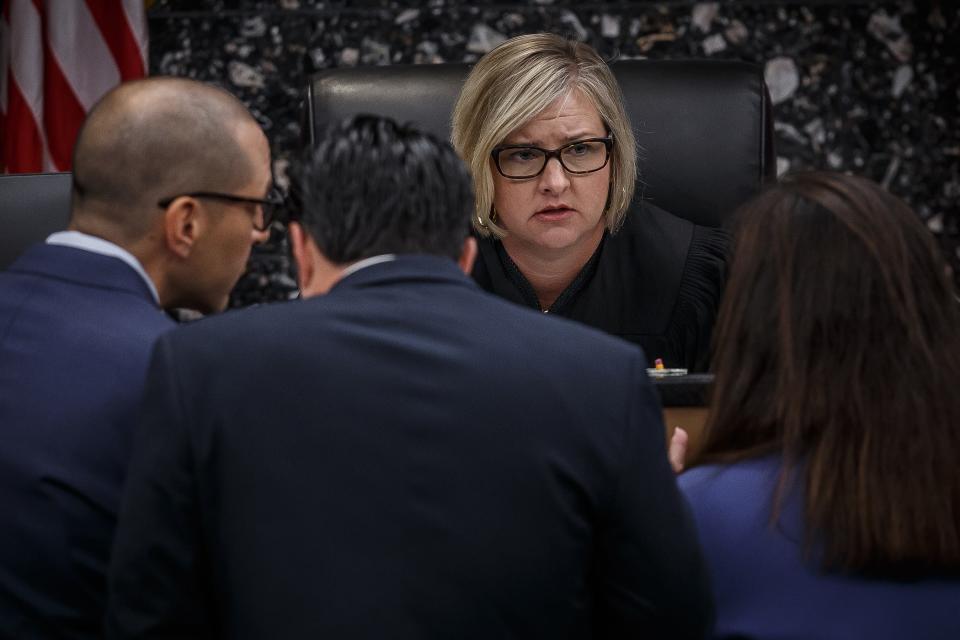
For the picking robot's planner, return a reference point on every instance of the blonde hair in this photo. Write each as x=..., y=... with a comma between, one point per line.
x=513, y=83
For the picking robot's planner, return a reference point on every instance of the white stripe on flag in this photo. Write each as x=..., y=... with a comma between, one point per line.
x=26, y=63
x=26, y=53
x=137, y=21
x=80, y=50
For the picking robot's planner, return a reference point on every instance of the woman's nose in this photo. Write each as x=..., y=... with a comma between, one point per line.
x=554, y=178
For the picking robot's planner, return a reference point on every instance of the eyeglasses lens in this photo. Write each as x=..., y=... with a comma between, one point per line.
x=526, y=162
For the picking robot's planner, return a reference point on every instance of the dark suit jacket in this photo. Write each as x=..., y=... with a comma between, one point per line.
x=76, y=329
x=405, y=457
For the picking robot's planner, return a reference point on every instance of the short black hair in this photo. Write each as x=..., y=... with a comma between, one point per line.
x=370, y=186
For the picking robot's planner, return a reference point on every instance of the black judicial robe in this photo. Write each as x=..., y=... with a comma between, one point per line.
x=656, y=282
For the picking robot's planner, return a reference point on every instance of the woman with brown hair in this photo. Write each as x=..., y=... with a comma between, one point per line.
x=827, y=493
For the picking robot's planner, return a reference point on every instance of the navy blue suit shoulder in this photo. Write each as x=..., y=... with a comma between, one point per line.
x=76, y=330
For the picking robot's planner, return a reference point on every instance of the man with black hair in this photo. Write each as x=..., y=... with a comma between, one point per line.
x=404, y=456
x=169, y=177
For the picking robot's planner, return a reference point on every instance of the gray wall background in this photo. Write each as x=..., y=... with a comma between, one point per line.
x=867, y=87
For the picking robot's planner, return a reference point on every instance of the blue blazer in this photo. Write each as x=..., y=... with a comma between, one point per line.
x=765, y=589
x=404, y=457
x=76, y=329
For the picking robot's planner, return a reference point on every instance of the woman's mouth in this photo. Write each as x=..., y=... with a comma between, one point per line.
x=553, y=213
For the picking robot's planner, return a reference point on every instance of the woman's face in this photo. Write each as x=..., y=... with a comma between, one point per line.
x=556, y=210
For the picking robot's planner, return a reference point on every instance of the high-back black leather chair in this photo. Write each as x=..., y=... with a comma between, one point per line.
x=32, y=206
x=703, y=126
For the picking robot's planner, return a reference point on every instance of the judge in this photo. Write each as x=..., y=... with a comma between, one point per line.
x=540, y=122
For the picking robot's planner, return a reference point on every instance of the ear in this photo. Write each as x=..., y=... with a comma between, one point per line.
x=182, y=226
x=316, y=274
x=299, y=239
x=468, y=255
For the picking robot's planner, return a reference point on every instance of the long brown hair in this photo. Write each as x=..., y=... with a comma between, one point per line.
x=838, y=346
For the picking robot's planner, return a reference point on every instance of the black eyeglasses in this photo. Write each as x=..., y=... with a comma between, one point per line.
x=525, y=161
x=269, y=206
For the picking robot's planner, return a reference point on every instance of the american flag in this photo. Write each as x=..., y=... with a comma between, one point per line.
x=57, y=58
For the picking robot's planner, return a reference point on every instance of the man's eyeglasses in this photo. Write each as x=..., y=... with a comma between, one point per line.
x=525, y=161
x=269, y=206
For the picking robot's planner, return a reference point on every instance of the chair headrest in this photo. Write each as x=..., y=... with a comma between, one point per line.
x=703, y=127
x=34, y=205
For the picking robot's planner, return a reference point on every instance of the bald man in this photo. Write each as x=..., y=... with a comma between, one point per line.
x=170, y=188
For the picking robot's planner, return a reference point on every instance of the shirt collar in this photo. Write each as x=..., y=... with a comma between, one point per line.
x=87, y=242
x=367, y=262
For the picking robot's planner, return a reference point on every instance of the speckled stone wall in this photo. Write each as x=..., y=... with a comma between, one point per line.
x=867, y=87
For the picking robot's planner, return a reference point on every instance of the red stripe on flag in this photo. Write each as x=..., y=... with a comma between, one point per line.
x=112, y=22
x=62, y=112
x=5, y=18
x=3, y=138
x=22, y=147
